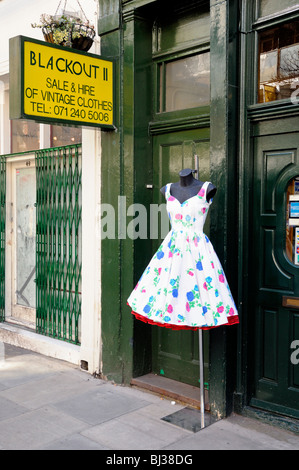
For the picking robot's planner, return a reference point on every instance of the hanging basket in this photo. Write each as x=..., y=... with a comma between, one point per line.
x=69, y=34
x=68, y=29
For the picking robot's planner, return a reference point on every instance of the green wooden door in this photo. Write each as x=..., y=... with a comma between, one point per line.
x=274, y=276
x=175, y=353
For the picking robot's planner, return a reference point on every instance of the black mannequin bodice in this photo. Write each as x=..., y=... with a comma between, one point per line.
x=188, y=187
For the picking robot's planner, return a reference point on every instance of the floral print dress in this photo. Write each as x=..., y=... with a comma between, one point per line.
x=184, y=286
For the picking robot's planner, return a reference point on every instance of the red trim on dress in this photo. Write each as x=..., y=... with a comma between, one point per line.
x=233, y=320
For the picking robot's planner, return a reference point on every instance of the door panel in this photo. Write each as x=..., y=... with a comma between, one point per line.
x=175, y=353
x=273, y=277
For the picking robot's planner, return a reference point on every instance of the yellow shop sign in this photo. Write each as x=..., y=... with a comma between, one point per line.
x=54, y=84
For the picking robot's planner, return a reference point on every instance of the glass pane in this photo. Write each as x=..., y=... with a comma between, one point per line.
x=25, y=236
x=187, y=82
x=279, y=63
x=268, y=7
x=268, y=61
x=289, y=62
x=63, y=135
x=292, y=229
x=25, y=136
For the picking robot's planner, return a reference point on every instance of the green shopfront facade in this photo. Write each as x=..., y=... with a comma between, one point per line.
x=207, y=78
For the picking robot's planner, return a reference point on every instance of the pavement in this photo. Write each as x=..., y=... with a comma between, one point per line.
x=47, y=404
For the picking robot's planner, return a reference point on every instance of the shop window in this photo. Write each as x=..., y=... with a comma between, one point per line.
x=63, y=135
x=185, y=83
x=25, y=136
x=279, y=63
x=292, y=229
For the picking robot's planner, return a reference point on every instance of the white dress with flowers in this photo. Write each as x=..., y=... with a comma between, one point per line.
x=184, y=285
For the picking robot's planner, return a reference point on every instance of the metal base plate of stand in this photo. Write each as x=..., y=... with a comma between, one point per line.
x=189, y=419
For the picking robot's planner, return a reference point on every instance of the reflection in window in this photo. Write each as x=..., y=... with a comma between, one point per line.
x=279, y=62
x=25, y=236
x=185, y=83
x=292, y=228
x=25, y=136
x=63, y=135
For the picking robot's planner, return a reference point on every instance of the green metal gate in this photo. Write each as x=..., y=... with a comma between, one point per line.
x=58, y=243
x=2, y=236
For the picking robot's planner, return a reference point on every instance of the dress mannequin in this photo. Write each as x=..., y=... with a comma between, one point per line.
x=188, y=187
x=184, y=285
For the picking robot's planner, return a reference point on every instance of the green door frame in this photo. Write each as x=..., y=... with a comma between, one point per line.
x=223, y=151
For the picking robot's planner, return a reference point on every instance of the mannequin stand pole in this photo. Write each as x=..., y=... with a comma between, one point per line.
x=201, y=381
x=201, y=359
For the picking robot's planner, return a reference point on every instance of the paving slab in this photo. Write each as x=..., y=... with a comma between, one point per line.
x=10, y=409
x=100, y=405
x=134, y=432
x=36, y=429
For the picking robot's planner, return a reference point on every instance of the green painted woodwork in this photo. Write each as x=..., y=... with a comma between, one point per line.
x=223, y=151
x=175, y=353
x=108, y=16
x=58, y=243
x=128, y=5
x=275, y=384
x=2, y=235
x=116, y=356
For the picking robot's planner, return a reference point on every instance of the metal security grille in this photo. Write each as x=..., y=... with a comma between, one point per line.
x=2, y=236
x=58, y=243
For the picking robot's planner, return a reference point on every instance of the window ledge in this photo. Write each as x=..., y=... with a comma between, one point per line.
x=274, y=109
x=173, y=125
